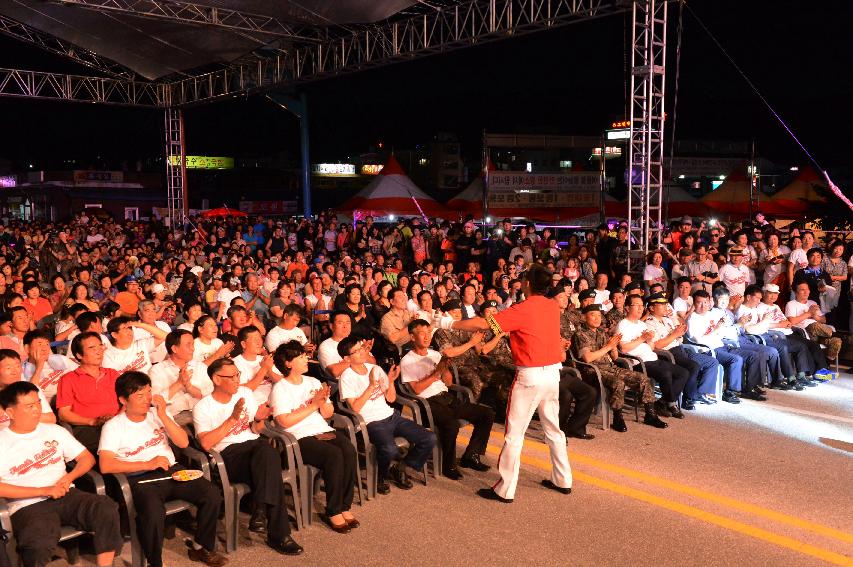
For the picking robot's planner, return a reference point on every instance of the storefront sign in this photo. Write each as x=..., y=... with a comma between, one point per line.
x=333, y=168
x=204, y=162
x=8, y=181
x=371, y=169
x=83, y=177
x=519, y=180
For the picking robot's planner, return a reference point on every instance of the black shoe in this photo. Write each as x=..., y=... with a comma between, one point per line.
x=474, y=463
x=581, y=435
x=207, y=557
x=730, y=397
x=662, y=409
x=453, y=474
x=490, y=494
x=707, y=399
x=758, y=390
x=780, y=385
x=382, y=487
x=258, y=521
x=561, y=489
x=797, y=385
x=399, y=477
x=809, y=382
x=619, y=423
x=654, y=421
x=675, y=412
x=753, y=395
x=287, y=546
x=688, y=405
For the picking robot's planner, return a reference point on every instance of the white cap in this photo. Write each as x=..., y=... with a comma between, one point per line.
x=771, y=288
x=157, y=288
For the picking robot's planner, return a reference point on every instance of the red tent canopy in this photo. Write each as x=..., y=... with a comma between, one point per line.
x=732, y=196
x=392, y=192
x=798, y=196
x=223, y=212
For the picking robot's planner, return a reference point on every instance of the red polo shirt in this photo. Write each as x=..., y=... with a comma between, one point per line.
x=87, y=395
x=534, y=331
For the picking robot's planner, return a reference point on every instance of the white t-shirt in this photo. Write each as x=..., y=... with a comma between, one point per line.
x=135, y=357
x=35, y=459
x=278, y=336
x=414, y=367
x=794, y=309
x=353, y=385
x=799, y=259
x=327, y=353
x=55, y=366
x=225, y=296
x=157, y=353
x=208, y=414
x=631, y=331
x=164, y=374
x=680, y=305
x=602, y=297
x=776, y=316
x=736, y=278
x=202, y=351
x=288, y=397
x=699, y=329
x=45, y=408
x=755, y=325
x=654, y=274
x=133, y=442
x=248, y=369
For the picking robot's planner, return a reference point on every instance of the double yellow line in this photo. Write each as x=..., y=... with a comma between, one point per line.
x=687, y=510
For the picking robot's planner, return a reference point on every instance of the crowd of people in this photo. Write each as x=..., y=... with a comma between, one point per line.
x=122, y=342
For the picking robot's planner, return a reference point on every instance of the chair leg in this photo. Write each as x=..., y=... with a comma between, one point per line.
x=231, y=515
x=297, y=505
x=72, y=551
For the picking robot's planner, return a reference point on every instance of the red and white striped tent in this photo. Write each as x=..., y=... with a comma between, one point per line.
x=732, y=196
x=798, y=196
x=392, y=193
x=679, y=202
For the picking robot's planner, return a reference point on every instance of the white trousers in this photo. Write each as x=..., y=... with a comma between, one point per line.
x=534, y=388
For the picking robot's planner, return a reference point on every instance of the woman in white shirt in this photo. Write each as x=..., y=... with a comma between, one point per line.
x=208, y=347
x=301, y=406
x=654, y=273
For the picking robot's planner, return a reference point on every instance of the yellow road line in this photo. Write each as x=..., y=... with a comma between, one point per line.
x=693, y=512
x=698, y=493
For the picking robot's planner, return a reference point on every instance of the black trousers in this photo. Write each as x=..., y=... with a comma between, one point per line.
x=670, y=377
x=88, y=436
x=584, y=395
x=37, y=526
x=258, y=464
x=336, y=459
x=693, y=368
x=447, y=410
x=150, y=502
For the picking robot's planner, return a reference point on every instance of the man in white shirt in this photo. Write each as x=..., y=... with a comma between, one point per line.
x=428, y=374
x=255, y=365
x=229, y=421
x=44, y=368
x=808, y=355
x=638, y=341
x=39, y=489
x=682, y=305
x=136, y=443
x=806, y=314
x=602, y=294
x=368, y=391
x=330, y=361
x=226, y=294
x=127, y=352
x=287, y=330
x=148, y=314
x=181, y=380
x=735, y=274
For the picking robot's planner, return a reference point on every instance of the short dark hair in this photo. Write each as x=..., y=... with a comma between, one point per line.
x=701, y=293
x=539, y=278
x=244, y=333
x=292, y=309
x=217, y=365
x=199, y=322
x=681, y=280
x=414, y=324
x=8, y=353
x=114, y=324
x=173, y=339
x=339, y=313
x=76, y=309
x=235, y=308
x=752, y=290
x=131, y=382
x=77, y=342
x=346, y=344
x=630, y=299
x=10, y=394
x=285, y=353
x=30, y=336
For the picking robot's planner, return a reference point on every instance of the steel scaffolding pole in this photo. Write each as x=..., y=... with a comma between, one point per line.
x=176, y=168
x=645, y=150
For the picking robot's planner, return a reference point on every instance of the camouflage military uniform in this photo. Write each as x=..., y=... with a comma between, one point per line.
x=615, y=378
x=570, y=320
x=502, y=366
x=612, y=318
x=473, y=373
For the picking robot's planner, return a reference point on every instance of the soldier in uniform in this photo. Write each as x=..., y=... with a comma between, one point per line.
x=498, y=358
x=592, y=346
x=464, y=348
x=611, y=320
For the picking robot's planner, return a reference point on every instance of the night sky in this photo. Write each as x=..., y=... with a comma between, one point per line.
x=565, y=81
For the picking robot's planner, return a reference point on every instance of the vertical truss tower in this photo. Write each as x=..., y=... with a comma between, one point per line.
x=645, y=150
x=176, y=167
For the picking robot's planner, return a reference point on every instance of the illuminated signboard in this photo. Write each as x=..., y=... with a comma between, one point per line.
x=609, y=151
x=333, y=168
x=204, y=162
x=622, y=134
x=8, y=181
x=371, y=169
x=621, y=124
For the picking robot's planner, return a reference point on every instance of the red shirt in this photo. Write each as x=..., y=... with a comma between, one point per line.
x=40, y=310
x=534, y=331
x=86, y=395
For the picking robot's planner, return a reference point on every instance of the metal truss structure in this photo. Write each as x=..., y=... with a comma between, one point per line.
x=176, y=167
x=645, y=148
x=58, y=86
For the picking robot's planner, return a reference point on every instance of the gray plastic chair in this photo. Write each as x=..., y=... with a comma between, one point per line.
x=602, y=408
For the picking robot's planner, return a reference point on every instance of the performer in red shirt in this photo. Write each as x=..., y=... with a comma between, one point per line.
x=534, y=336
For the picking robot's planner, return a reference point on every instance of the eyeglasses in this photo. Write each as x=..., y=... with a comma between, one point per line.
x=233, y=377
